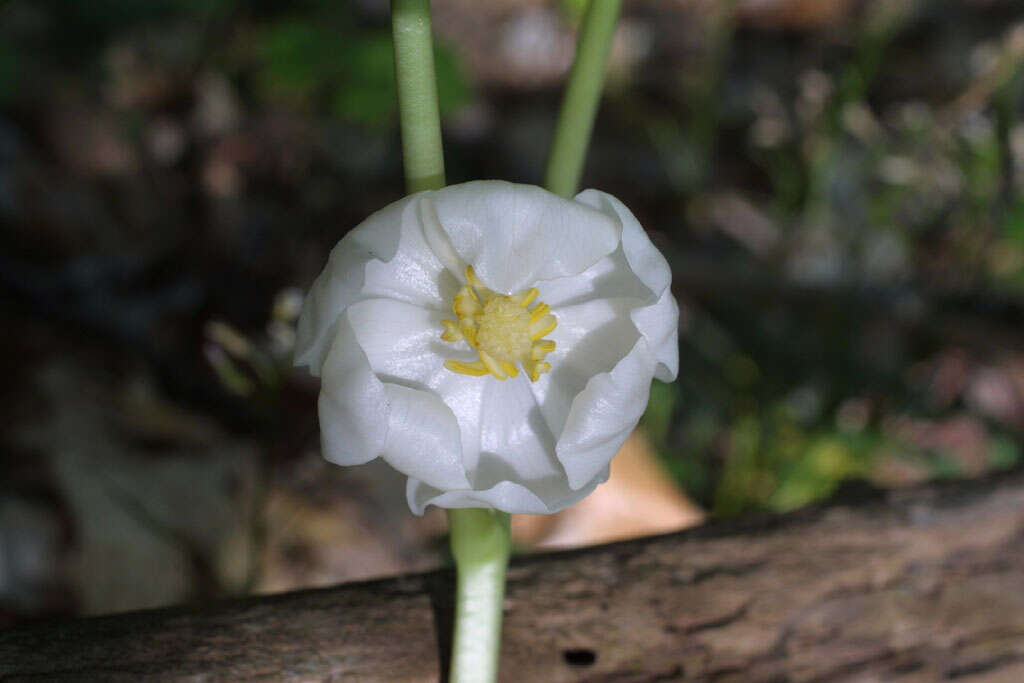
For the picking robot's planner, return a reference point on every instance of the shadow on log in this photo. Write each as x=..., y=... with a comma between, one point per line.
x=918, y=585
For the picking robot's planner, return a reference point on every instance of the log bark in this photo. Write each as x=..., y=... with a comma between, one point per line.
x=917, y=585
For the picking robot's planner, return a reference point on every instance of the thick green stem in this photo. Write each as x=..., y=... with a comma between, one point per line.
x=579, y=107
x=417, y=95
x=481, y=544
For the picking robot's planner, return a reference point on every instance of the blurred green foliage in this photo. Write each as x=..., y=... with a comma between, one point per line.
x=309, y=54
x=353, y=71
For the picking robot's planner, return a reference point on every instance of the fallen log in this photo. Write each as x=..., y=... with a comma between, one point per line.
x=916, y=585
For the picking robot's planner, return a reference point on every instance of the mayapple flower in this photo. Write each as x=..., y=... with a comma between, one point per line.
x=493, y=342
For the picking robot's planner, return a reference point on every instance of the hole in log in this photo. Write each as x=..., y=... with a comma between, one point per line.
x=579, y=657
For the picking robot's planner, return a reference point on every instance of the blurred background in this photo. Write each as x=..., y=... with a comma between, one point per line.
x=838, y=185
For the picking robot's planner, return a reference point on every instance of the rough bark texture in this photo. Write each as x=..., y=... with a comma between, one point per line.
x=920, y=585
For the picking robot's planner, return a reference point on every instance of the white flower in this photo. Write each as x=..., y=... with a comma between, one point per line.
x=493, y=342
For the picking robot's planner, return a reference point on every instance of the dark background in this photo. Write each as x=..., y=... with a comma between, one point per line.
x=838, y=185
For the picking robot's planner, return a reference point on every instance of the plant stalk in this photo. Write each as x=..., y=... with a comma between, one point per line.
x=481, y=544
x=582, y=95
x=420, y=120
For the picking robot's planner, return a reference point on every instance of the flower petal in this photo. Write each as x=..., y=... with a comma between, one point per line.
x=353, y=405
x=423, y=438
x=507, y=496
x=403, y=345
x=659, y=325
x=604, y=413
x=362, y=418
x=644, y=258
x=402, y=341
x=611, y=277
x=514, y=235
x=590, y=339
x=659, y=322
x=384, y=256
x=437, y=239
x=515, y=441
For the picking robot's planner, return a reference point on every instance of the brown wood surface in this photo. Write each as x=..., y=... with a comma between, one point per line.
x=918, y=585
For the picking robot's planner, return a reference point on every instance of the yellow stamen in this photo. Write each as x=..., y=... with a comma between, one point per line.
x=466, y=303
x=535, y=370
x=539, y=311
x=476, y=368
x=468, y=329
x=541, y=348
x=524, y=298
x=492, y=365
x=503, y=330
x=452, y=333
x=476, y=283
x=539, y=328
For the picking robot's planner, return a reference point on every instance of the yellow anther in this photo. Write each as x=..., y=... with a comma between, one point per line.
x=475, y=369
x=539, y=328
x=466, y=303
x=524, y=298
x=492, y=365
x=452, y=332
x=541, y=348
x=473, y=280
x=468, y=329
x=503, y=330
x=535, y=370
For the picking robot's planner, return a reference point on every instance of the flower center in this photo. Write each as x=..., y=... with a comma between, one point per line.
x=503, y=330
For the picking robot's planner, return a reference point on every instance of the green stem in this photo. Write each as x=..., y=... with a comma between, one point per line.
x=479, y=538
x=579, y=107
x=417, y=95
x=481, y=544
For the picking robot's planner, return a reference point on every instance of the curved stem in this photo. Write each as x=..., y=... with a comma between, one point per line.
x=480, y=541
x=418, y=114
x=579, y=107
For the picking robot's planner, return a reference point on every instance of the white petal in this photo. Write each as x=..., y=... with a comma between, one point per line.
x=507, y=496
x=591, y=338
x=437, y=239
x=353, y=405
x=423, y=438
x=362, y=418
x=644, y=258
x=414, y=275
x=402, y=341
x=403, y=345
x=384, y=256
x=635, y=269
x=514, y=235
x=659, y=325
x=515, y=441
x=603, y=415
x=611, y=277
